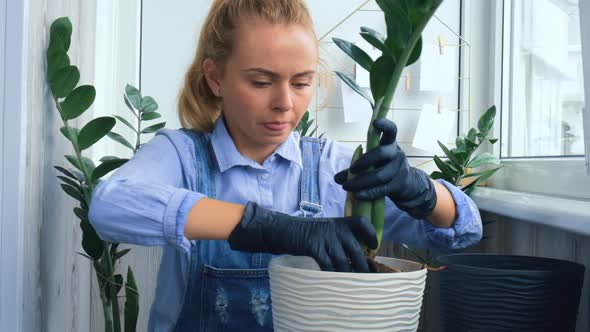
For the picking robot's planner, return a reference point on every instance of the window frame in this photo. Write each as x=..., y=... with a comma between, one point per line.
x=557, y=176
x=585, y=35
x=13, y=122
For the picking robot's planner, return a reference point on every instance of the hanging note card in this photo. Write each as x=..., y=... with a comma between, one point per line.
x=433, y=126
x=438, y=72
x=355, y=107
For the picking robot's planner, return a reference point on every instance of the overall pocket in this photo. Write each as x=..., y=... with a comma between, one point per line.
x=236, y=300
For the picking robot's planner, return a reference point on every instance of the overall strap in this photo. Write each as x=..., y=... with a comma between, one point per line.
x=205, y=184
x=204, y=180
x=309, y=199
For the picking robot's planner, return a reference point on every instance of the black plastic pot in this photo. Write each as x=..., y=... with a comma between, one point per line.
x=487, y=292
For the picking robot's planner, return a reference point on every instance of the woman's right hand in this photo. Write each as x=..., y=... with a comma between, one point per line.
x=335, y=243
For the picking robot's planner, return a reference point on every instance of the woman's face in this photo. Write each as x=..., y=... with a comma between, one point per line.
x=267, y=83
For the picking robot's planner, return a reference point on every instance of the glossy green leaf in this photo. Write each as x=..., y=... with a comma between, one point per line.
x=381, y=76
x=118, y=278
x=437, y=175
x=444, y=167
x=71, y=134
x=120, y=139
x=458, y=165
x=355, y=53
x=148, y=104
x=374, y=38
x=57, y=59
x=472, y=134
x=125, y=122
x=470, y=145
x=106, y=167
x=493, y=140
x=60, y=33
x=105, y=158
x=460, y=143
x=484, y=176
x=72, y=192
x=398, y=26
x=120, y=254
x=134, y=96
x=81, y=214
x=69, y=181
x=70, y=173
x=91, y=242
x=129, y=106
x=150, y=116
x=64, y=81
x=352, y=84
x=131, y=302
x=154, y=128
x=78, y=101
x=416, y=52
x=486, y=121
x=483, y=159
x=95, y=130
x=86, y=161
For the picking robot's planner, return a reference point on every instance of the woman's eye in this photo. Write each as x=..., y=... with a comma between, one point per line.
x=260, y=84
x=301, y=85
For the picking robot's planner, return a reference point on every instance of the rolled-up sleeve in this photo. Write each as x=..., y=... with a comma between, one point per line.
x=143, y=202
x=465, y=231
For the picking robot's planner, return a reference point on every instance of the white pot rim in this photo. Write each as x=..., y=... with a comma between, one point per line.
x=283, y=263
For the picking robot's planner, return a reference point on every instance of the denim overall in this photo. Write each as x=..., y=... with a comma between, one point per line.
x=229, y=290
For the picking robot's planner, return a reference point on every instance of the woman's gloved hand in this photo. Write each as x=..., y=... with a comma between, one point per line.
x=409, y=188
x=333, y=242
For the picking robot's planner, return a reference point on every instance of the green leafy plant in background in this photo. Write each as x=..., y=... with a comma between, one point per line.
x=79, y=180
x=305, y=124
x=464, y=168
x=405, y=21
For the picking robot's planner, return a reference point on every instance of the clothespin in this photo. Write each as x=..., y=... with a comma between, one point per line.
x=441, y=44
x=408, y=81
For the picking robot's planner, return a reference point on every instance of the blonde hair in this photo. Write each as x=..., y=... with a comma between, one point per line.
x=198, y=106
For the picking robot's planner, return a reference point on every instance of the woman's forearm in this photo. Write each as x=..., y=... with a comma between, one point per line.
x=444, y=212
x=212, y=219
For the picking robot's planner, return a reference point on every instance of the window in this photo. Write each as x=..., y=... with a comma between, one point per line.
x=544, y=85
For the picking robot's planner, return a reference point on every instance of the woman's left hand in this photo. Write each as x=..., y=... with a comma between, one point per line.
x=385, y=171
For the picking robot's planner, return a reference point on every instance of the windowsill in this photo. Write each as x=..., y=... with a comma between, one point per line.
x=566, y=214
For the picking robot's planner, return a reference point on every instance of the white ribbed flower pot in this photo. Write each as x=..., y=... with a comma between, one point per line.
x=307, y=299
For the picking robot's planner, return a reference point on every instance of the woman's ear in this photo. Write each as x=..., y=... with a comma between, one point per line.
x=211, y=73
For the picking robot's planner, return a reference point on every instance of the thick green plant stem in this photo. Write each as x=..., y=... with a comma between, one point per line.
x=113, y=290
x=106, y=308
x=110, y=308
x=376, y=208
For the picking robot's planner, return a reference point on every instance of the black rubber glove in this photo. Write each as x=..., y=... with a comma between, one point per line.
x=409, y=188
x=332, y=242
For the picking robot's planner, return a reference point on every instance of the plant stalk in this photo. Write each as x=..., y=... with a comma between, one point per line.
x=376, y=209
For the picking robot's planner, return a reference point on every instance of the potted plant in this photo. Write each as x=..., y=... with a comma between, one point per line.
x=305, y=298
x=79, y=180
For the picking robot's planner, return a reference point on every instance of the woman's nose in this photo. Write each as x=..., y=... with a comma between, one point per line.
x=283, y=100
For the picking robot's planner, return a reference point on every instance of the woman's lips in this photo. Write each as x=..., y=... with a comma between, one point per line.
x=276, y=126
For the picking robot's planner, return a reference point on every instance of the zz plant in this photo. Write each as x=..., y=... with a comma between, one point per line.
x=405, y=21
x=458, y=168
x=79, y=180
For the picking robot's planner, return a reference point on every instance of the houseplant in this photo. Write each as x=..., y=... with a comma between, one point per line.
x=80, y=180
x=463, y=168
x=390, y=301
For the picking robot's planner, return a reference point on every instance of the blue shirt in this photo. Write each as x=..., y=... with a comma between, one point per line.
x=145, y=202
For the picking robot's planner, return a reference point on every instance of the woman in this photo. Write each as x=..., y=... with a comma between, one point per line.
x=232, y=188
